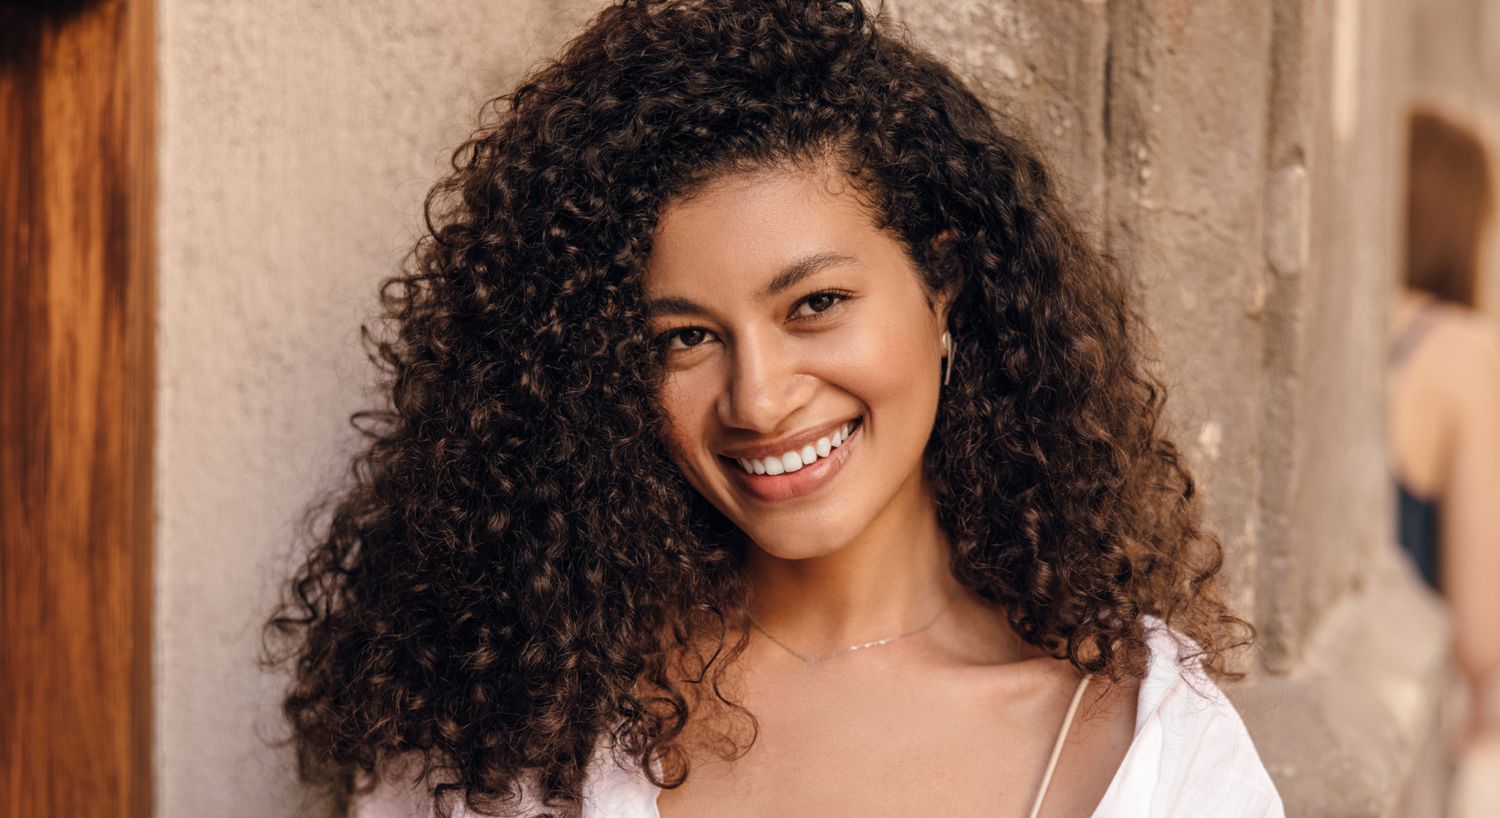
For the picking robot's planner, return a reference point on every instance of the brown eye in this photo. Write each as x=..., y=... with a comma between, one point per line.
x=822, y=301
x=685, y=338
x=819, y=303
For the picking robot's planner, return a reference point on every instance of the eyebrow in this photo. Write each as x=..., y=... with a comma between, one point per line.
x=784, y=280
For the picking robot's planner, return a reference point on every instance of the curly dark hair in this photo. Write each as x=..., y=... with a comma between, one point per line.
x=495, y=594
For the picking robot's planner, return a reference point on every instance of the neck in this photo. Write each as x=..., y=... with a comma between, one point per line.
x=891, y=577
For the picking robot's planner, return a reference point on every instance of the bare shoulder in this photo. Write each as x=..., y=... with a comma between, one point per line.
x=1457, y=368
x=1107, y=718
x=1095, y=746
x=1466, y=332
x=1464, y=347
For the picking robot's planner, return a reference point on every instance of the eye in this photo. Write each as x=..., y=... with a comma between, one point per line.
x=821, y=303
x=683, y=338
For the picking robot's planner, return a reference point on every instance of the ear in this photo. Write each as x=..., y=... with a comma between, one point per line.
x=942, y=302
x=941, y=248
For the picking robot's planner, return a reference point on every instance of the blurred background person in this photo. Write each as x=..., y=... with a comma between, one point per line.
x=1444, y=424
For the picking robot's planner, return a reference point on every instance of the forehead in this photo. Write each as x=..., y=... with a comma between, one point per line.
x=741, y=226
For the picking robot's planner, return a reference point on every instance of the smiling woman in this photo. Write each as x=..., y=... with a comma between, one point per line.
x=764, y=439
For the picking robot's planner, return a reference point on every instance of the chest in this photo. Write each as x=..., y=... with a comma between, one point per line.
x=898, y=745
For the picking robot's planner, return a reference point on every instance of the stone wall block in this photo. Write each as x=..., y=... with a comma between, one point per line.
x=1358, y=729
x=1040, y=63
x=1188, y=90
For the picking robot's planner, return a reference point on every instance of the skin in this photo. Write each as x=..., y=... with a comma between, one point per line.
x=956, y=720
x=1444, y=438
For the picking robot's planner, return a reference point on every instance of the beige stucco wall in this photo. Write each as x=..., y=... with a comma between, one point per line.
x=1241, y=157
x=296, y=142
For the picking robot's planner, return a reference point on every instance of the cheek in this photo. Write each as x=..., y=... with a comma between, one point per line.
x=686, y=406
x=883, y=368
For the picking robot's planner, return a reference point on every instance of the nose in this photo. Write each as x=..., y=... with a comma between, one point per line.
x=766, y=384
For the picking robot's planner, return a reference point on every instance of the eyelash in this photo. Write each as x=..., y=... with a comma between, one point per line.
x=839, y=296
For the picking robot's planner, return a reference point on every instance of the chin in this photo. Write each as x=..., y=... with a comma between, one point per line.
x=798, y=551
x=805, y=543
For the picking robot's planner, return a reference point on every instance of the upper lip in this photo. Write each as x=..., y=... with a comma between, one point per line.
x=786, y=444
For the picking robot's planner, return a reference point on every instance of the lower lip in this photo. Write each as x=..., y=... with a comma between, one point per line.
x=800, y=483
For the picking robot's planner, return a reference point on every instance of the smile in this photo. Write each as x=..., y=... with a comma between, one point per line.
x=796, y=472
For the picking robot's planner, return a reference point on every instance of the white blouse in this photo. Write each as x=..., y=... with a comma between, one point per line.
x=1191, y=756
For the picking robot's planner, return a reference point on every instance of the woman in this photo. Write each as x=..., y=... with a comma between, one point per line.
x=1445, y=420
x=766, y=439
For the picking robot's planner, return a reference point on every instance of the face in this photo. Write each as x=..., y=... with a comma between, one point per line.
x=803, y=357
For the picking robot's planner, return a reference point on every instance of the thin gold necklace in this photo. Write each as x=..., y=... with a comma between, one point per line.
x=810, y=661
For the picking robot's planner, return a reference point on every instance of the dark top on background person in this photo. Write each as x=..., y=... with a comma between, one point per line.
x=1417, y=517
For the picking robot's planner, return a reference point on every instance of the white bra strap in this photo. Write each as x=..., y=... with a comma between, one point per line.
x=1057, y=746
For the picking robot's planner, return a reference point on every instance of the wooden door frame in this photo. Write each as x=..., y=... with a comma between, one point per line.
x=77, y=359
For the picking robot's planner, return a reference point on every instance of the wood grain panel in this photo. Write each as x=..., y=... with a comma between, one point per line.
x=76, y=381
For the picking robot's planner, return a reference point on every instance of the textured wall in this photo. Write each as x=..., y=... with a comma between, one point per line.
x=296, y=142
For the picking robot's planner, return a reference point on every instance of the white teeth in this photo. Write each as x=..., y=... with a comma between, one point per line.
x=794, y=460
